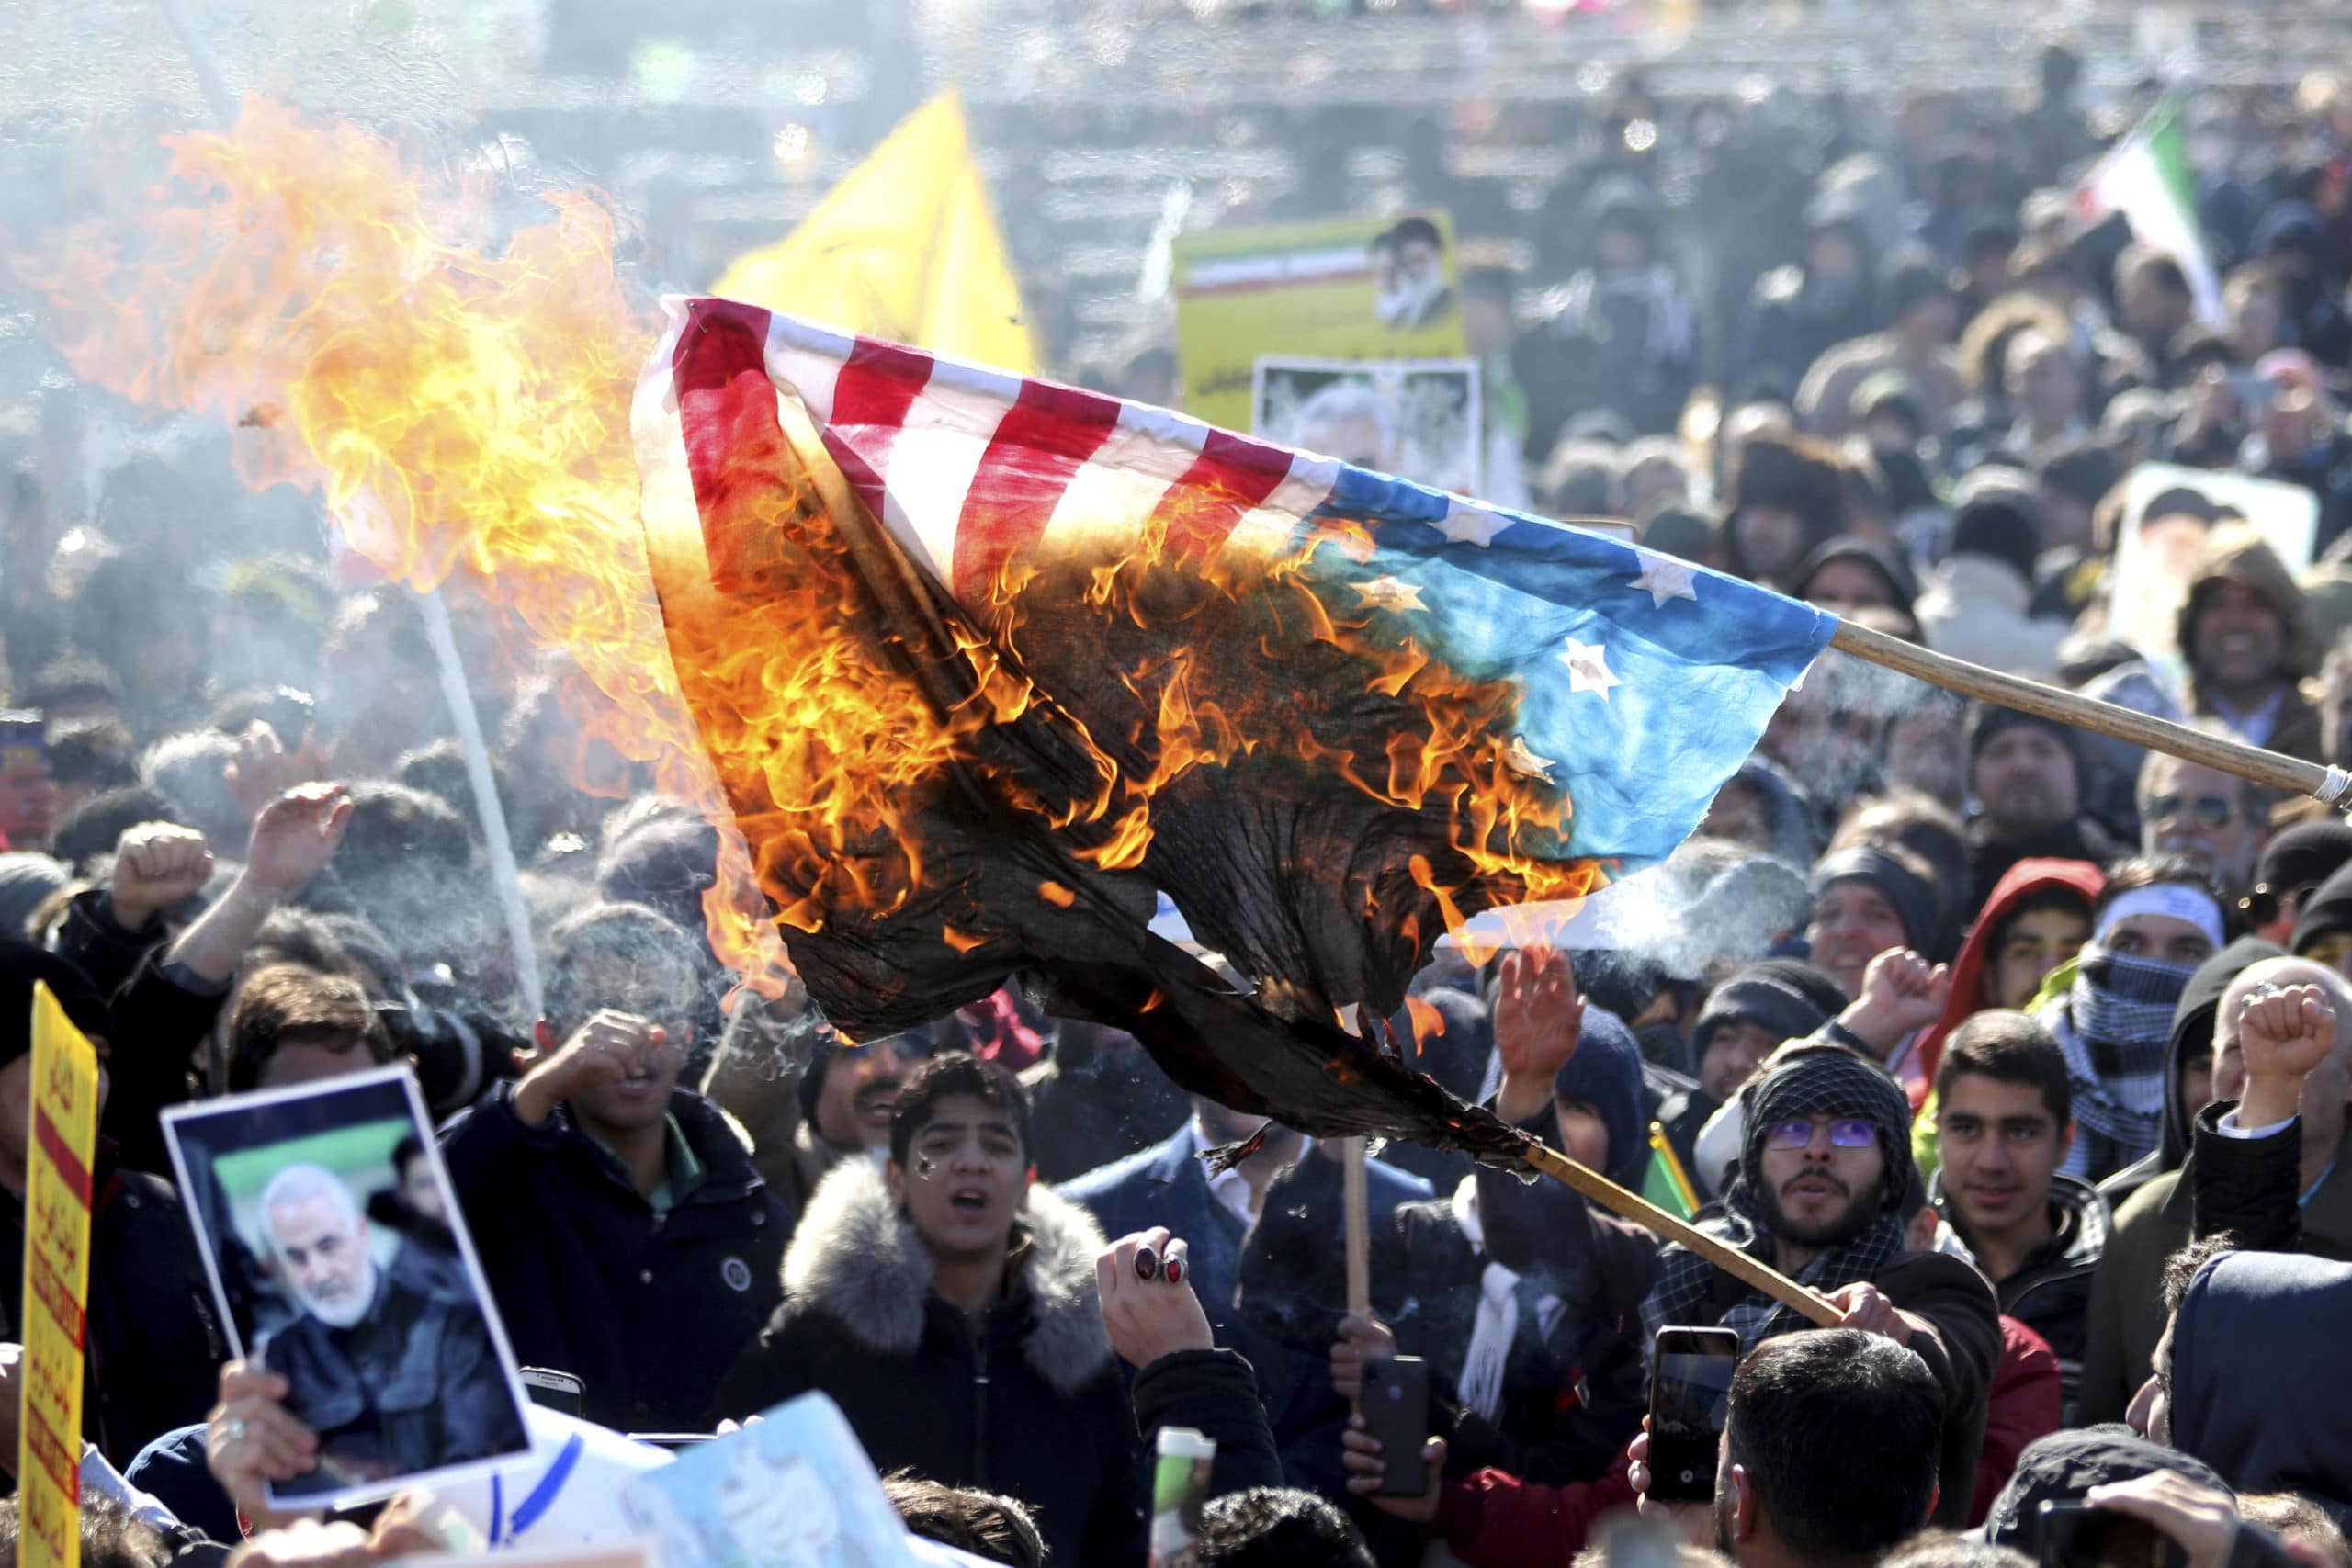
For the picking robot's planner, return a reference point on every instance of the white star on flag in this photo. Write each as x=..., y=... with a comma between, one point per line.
x=1389, y=593
x=1665, y=578
x=1587, y=665
x=1463, y=525
x=1520, y=760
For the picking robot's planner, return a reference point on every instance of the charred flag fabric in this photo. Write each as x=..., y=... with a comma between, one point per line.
x=1642, y=680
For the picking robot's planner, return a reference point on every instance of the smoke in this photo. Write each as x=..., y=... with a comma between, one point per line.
x=428, y=362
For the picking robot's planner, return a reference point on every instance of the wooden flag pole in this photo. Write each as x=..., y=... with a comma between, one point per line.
x=2328, y=785
x=1750, y=1271
x=1358, y=1205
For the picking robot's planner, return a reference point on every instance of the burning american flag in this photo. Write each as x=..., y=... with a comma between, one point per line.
x=984, y=662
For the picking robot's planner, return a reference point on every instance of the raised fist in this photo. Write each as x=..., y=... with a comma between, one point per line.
x=156, y=864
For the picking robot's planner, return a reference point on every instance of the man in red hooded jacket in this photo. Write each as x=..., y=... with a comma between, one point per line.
x=2038, y=917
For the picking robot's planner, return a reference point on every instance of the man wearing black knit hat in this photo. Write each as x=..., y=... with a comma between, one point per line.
x=1744, y=1021
x=153, y=1349
x=2025, y=779
x=847, y=1094
x=1819, y=1193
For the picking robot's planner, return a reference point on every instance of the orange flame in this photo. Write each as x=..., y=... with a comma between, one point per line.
x=1426, y=1021
x=463, y=412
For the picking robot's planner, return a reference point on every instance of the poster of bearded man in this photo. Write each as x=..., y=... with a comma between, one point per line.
x=340, y=1262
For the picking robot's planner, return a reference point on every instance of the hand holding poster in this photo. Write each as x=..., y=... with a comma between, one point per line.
x=57, y=1281
x=341, y=1263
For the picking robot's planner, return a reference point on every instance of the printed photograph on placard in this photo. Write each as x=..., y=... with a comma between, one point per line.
x=1416, y=419
x=339, y=1260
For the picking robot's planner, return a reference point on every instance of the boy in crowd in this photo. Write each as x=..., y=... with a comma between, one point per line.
x=2003, y=1123
x=625, y=1234
x=948, y=1307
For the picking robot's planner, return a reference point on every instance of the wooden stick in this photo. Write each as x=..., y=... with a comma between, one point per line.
x=1641, y=1211
x=1359, y=1204
x=2326, y=786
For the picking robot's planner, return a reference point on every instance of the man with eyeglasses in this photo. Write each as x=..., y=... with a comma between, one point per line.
x=2208, y=817
x=1825, y=1180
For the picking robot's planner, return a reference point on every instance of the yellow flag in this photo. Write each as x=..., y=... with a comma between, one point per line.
x=905, y=248
x=57, y=1283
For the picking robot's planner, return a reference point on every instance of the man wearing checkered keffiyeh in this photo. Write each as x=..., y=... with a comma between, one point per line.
x=1941, y=1307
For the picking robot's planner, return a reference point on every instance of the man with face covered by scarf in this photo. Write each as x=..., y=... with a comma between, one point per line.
x=1823, y=1181
x=2150, y=927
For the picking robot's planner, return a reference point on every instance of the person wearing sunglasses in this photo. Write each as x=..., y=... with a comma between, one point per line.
x=2288, y=876
x=2204, y=815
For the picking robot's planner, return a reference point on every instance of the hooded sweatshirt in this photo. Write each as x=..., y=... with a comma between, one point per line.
x=2259, y=1364
x=2237, y=553
x=2192, y=1034
x=2022, y=881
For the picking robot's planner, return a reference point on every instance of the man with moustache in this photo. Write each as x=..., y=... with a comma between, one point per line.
x=846, y=1095
x=2215, y=821
x=393, y=1378
x=2026, y=780
x=1823, y=1182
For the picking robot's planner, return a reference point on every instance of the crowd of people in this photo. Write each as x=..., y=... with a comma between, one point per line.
x=2021, y=1047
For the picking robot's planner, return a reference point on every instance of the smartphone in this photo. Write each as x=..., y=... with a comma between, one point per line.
x=24, y=741
x=1397, y=1416
x=2076, y=1535
x=2254, y=393
x=557, y=1391
x=1690, y=1395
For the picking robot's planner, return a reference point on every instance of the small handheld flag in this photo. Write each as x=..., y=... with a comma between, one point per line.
x=1664, y=1183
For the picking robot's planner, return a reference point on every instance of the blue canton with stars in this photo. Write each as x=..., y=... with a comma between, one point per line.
x=1643, y=680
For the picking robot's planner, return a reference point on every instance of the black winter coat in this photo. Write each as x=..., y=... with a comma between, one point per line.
x=1571, y=1398
x=157, y=1026
x=1215, y=1393
x=646, y=1307
x=2051, y=1293
x=2249, y=1188
x=1026, y=1400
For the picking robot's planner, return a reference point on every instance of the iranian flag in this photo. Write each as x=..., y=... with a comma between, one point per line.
x=2145, y=177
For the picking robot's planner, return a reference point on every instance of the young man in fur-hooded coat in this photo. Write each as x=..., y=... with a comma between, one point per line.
x=949, y=1308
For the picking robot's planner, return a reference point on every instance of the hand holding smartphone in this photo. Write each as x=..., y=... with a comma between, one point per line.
x=1690, y=1395
x=1396, y=1412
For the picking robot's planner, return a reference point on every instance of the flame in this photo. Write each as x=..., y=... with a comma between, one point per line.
x=464, y=411
x=1428, y=1023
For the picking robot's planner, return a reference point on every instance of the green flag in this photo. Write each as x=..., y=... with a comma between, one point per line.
x=1663, y=1183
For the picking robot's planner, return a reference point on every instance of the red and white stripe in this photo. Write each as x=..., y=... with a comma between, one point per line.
x=970, y=468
